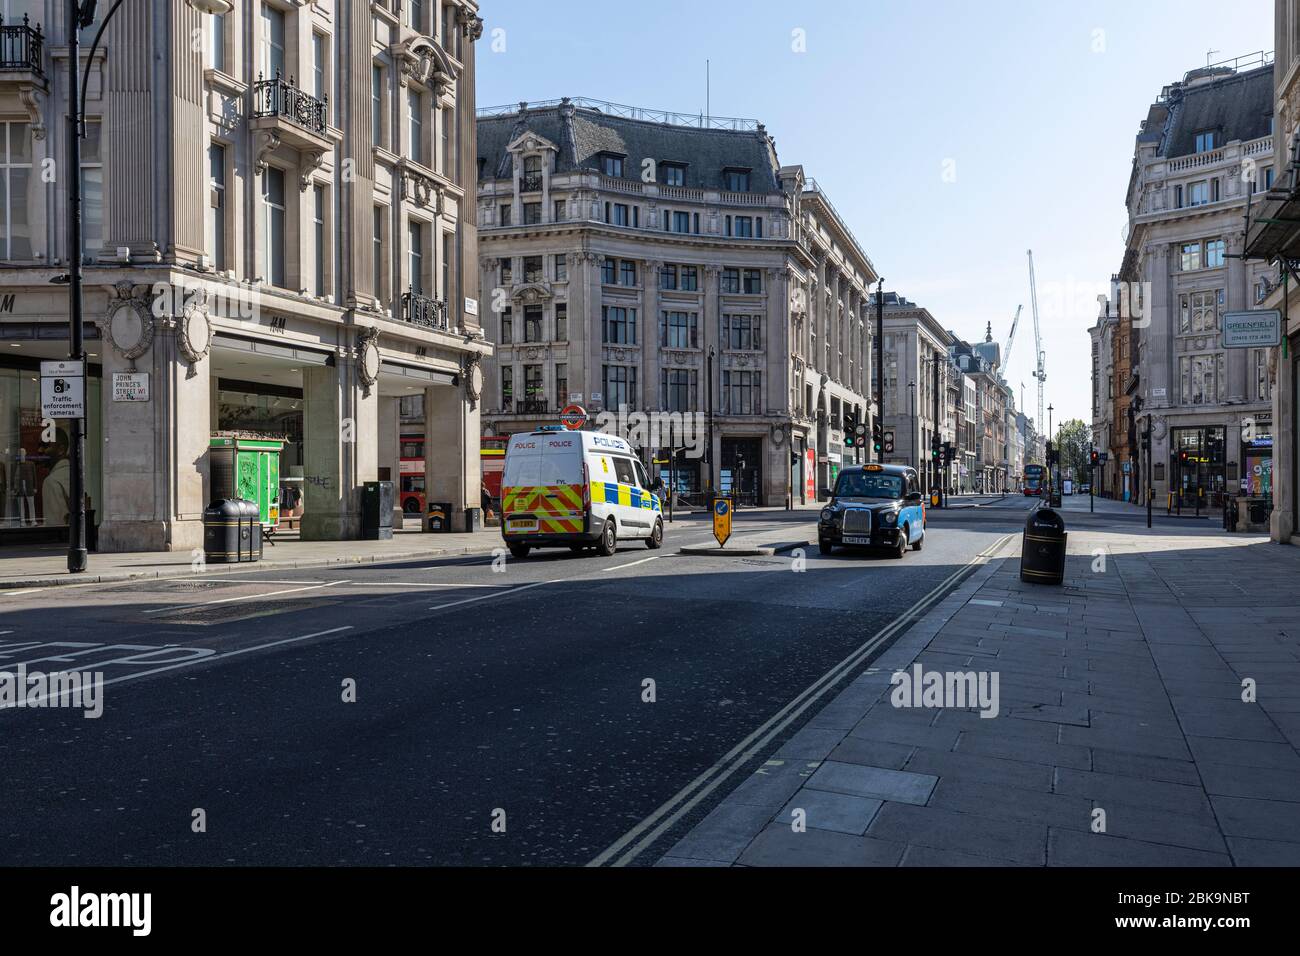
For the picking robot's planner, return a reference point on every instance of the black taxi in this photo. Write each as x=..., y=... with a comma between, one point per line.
x=874, y=506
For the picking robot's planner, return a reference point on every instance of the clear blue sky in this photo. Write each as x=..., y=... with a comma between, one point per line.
x=1034, y=107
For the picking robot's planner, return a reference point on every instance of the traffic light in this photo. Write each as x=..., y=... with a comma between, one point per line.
x=850, y=431
x=949, y=453
x=877, y=438
x=1093, y=459
x=1182, y=458
x=1051, y=455
x=889, y=443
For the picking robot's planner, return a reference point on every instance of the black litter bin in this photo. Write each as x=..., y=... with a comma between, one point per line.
x=1042, y=552
x=232, y=532
x=438, y=518
x=377, y=511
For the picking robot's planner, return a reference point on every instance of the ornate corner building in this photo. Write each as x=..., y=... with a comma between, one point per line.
x=277, y=243
x=625, y=252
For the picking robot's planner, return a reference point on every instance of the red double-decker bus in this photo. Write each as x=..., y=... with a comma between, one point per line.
x=1033, y=480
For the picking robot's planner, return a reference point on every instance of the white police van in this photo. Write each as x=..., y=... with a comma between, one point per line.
x=576, y=489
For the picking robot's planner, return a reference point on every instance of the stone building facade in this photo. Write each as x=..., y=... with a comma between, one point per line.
x=1204, y=151
x=275, y=246
x=625, y=253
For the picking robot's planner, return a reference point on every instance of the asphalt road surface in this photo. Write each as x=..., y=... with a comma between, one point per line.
x=501, y=713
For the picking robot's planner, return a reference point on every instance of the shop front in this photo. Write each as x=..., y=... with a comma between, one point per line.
x=1198, y=467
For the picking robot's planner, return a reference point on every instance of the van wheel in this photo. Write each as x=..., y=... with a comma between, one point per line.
x=656, y=539
x=519, y=551
x=901, y=549
x=920, y=542
x=608, y=540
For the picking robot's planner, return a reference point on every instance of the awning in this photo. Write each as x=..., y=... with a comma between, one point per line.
x=292, y=353
x=420, y=374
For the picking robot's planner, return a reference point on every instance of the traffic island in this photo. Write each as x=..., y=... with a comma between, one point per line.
x=741, y=550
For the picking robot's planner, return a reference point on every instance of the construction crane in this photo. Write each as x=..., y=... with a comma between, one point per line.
x=1011, y=339
x=1040, y=372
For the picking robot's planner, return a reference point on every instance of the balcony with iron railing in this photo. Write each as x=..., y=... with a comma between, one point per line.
x=530, y=184
x=532, y=406
x=425, y=311
x=300, y=118
x=22, y=48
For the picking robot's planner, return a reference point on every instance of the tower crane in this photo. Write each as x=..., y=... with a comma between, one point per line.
x=1011, y=339
x=1040, y=372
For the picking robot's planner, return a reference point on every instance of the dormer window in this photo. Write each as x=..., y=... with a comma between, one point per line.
x=1205, y=141
x=672, y=174
x=611, y=165
x=736, y=180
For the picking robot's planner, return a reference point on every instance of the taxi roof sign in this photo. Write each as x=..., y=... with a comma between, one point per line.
x=874, y=468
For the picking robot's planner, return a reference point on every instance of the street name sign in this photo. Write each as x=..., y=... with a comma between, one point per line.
x=130, y=386
x=1260, y=328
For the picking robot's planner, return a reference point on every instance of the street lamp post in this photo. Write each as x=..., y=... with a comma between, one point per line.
x=914, y=441
x=80, y=15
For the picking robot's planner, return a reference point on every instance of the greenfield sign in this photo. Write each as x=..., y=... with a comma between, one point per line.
x=1252, y=330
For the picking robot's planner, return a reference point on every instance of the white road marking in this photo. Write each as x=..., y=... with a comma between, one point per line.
x=243, y=597
x=418, y=584
x=743, y=752
x=536, y=584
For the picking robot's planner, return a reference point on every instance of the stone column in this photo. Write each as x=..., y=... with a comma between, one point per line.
x=390, y=449
x=155, y=453
x=340, y=448
x=650, y=343
x=1238, y=298
x=451, y=451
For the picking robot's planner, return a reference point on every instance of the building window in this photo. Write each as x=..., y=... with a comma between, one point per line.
x=1205, y=141
x=318, y=238
x=620, y=385
x=736, y=180
x=532, y=323
x=1198, y=194
x=562, y=321
x=415, y=113
x=507, y=388
x=1178, y=197
x=561, y=268
x=741, y=332
x=507, y=270
x=744, y=227
x=448, y=265
x=753, y=281
x=611, y=165
x=531, y=180
x=618, y=325
x=561, y=384
x=1262, y=392
x=1268, y=177
x=1201, y=378
x=506, y=217
x=560, y=211
x=532, y=213
x=92, y=191
x=741, y=392
x=1214, y=253
x=507, y=325
x=377, y=105
x=607, y=269
x=273, y=59
x=730, y=281
x=1198, y=313
x=679, y=330
x=217, y=43
x=1191, y=256
x=417, y=12
x=679, y=389
x=450, y=32
x=450, y=164
x=377, y=252
x=217, y=206
x=681, y=222
x=318, y=87
x=690, y=279
x=627, y=272
x=415, y=243
x=621, y=215
x=273, y=216
x=668, y=277
x=673, y=174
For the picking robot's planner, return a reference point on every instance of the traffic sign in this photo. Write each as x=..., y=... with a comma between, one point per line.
x=573, y=417
x=63, y=397
x=722, y=520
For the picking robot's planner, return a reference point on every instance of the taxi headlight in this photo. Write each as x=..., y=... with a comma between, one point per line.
x=828, y=515
x=891, y=517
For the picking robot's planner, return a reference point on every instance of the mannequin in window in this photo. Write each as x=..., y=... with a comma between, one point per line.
x=24, y=487
x=55, y=487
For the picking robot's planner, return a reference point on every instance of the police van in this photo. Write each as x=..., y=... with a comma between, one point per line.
x=576, y=489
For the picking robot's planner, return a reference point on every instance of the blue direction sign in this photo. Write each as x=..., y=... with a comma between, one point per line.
x=721, y=520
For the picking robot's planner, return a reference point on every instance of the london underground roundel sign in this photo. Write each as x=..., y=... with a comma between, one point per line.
x=573, y=417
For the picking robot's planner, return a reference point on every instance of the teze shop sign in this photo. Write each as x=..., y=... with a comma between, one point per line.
x=1252, y=330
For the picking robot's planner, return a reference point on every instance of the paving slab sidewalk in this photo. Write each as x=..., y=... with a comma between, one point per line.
x=1121, y=737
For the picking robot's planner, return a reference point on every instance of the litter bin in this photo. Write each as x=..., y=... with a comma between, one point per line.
x=377, y=511
x=232, y=531
x=1042, y=551
x=438, y=518
x=473, y=519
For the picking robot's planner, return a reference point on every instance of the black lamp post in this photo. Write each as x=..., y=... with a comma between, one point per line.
x=81, y=15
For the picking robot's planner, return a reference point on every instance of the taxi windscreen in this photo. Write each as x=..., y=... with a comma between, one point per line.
x=865, y=485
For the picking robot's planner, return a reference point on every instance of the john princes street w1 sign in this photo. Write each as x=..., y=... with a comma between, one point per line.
x=1252, y=329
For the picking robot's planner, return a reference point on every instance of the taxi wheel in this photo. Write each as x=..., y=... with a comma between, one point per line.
x=920, y=542
x=824, y=546
x=656, y=539
x=608, y=540
x=900, y=550
x=519, y=551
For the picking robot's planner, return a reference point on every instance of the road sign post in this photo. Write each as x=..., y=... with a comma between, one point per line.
x=722, y=520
